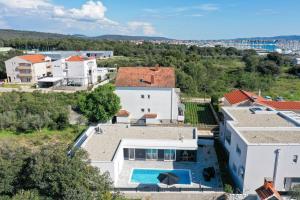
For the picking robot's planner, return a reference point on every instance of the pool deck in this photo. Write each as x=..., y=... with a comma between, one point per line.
x=206, y=157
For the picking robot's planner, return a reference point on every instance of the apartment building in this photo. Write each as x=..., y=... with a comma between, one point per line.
x=28, y=68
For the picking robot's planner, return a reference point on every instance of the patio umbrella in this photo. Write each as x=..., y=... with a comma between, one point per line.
x=168, y=178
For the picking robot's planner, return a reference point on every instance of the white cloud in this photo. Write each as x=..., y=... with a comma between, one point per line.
x=25, y=4
x=208, y=7
x=89, y=18
x=195, y=15
x=145, y=27
x=90, y=11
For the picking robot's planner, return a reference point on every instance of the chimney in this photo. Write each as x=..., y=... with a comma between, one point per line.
x=156, y=68
x=152, y=79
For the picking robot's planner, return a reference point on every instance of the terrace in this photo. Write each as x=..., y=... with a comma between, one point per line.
x=206, y=157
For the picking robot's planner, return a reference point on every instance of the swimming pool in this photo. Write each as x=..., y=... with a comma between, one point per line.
x=149, y=176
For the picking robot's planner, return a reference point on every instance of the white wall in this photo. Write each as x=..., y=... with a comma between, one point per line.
x=124, y=120
x=163, y=102
x=11, y=66
x=239, y=160
x=39, y=70
x=79, y=71
x=260, y=164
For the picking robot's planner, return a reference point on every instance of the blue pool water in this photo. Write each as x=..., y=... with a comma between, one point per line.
x=149, y=176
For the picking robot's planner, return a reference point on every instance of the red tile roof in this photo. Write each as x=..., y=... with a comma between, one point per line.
x=238, y=96
x=162, y=77
x=282, y=105
x=123, y=113
x=37, y=58
x=78, y=58
x=266, y=191
x=150, y=116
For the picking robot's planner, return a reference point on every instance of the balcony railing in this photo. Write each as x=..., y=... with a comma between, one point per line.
x=24, y=67
x=25, y=75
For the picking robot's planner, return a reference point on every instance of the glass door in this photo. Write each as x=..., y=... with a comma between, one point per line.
x=169, y=155
x=131, y=154
x=151, y=154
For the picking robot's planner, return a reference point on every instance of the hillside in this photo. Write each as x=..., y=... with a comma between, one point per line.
x=12, y=34
x=127, y=37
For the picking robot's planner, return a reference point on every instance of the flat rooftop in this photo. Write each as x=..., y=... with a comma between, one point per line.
x=246, y=118
x=271, y=136
x=260, y=125
x=102, y=147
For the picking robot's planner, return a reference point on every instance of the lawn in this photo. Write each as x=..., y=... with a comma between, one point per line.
x=286, y=86
x=46, y=136
x=199, y=114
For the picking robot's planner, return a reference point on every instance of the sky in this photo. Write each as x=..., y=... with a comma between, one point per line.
x=177, y=19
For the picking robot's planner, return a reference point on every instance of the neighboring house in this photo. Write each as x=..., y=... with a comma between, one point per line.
x=267, y=191
x=56, y=55
x=4, y=50
x=28, y=68
x=297, y=61
x=76, y=70
x=117, y=147
x=148, y=95
x=103, y=72
x=261, y=143
x=240, y=98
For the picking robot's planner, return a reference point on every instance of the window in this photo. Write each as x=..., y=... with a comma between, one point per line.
x=295, y=158
x=234, y=167
x=241, y=171
x=151, y=154
x=149, y=110
x=238, y=150
x=142, y=96
x=169, y=154
x=228, y=136
x=143, y=110
x=148, y=96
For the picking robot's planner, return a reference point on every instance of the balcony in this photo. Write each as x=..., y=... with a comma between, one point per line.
x=25, y=75
x=23, y=67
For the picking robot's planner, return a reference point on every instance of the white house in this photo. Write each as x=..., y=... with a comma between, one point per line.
x=27, y=68
x=118, y=148
x=297, y=61
x=148, y=95
x=76, y=70
x=261, y=144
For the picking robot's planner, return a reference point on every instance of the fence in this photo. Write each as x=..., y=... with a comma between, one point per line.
x=170, y=189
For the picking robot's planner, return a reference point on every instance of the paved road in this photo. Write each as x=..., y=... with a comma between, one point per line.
x=176, y=196
x=67, y=89
x=44, y=90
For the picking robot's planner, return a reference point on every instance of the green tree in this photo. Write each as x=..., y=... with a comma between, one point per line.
x=50, y=174
x=100, y=105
